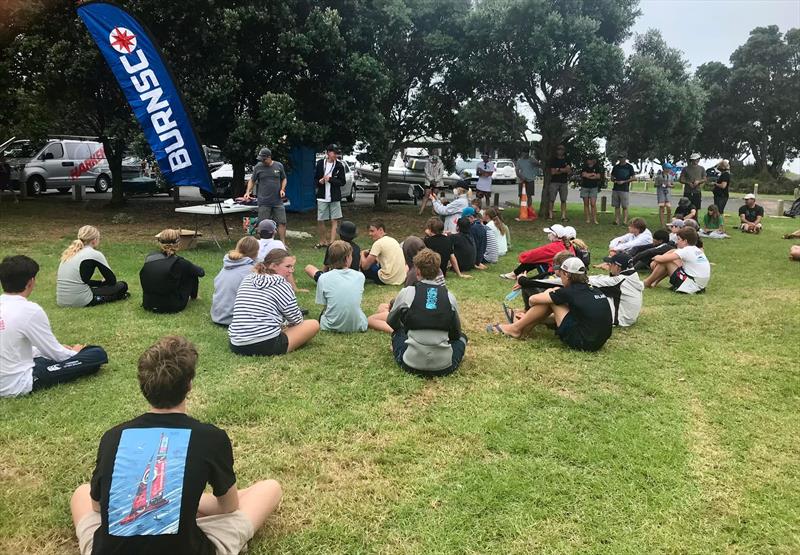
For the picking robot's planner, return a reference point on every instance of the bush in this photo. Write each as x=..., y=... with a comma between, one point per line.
x=744, y=177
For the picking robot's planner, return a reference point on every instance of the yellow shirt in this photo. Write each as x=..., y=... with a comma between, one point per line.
x=390, y=257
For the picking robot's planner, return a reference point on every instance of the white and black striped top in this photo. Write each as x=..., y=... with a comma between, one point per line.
x=492, y=253
x=263, y=303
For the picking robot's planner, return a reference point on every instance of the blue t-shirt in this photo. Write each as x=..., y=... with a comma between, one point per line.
x=341, y=291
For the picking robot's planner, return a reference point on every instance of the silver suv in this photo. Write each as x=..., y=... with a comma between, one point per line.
x=58, y=163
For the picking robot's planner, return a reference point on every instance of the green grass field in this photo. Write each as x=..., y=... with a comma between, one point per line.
x=680, y=436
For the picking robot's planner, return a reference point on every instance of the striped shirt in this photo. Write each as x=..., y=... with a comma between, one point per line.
x=491, y=245
x=263, y=303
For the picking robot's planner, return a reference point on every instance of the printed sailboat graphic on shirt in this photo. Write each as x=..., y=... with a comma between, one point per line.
x=147, y=482
x=142, y=504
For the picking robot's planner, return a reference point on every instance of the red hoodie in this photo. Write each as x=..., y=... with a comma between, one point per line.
x=544, y=254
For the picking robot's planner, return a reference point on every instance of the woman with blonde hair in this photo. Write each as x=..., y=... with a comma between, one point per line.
x=235, y=266
x=264, y=301
x=79, y=262
x=168, y=280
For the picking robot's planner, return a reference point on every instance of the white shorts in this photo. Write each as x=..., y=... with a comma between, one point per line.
x=329, y=210
x=229, y=532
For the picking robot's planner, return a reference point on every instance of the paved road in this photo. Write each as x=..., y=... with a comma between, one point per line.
x=508, y=194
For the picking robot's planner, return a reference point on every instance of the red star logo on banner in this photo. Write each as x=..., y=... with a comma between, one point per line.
x=123, y=40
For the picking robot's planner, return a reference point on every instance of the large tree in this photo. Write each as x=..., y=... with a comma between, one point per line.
x=408, y=48
x=660, y=105
x=723, y=132
x=765, y=95
x=561, y=59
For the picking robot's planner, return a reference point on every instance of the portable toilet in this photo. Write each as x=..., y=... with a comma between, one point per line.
x=300, y=178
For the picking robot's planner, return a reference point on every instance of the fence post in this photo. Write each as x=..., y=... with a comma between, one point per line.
x=780, y=207
x=755, y=189
x=796, y=192
x=77, y=192
x=603, y=200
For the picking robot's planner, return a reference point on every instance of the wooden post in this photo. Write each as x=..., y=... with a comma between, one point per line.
x=603, y=201
x=77, y=192
x=755, y=189
x=176, y=195
x=780, y=207
x=496, y=200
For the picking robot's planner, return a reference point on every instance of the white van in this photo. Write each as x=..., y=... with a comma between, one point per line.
x=57, y=163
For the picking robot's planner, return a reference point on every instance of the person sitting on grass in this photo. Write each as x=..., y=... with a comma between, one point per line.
x=674, y=227
x=687, y=266
x=426, y=330
x=74, y=284
x=451, y=211
x=383, y=263
x=264, y=302
x=441, y=245
x=235, y=266
x=750, y=215
x=495, y=224
x=661, y=244
x=166, y=510
x=266, y=242
x=623, y=288
x=794, y=253
x=581, y=313
x=685, y=210
x=478, y=233
x=347, y=232
x=339, y=291
x=477, y=205
x=168, y=280
x=532, y=285
x=464, y=246
x=638, y=236
x=541, y=258
x=713, y=224
x=492, y=254
x=31, y=358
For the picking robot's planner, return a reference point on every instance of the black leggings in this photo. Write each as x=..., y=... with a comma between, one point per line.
x=525, y=268
x=109, y=293
x=720, y=201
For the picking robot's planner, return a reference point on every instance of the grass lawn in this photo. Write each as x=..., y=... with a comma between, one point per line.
x=680, y=436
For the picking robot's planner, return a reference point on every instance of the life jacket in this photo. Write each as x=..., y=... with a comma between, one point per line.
x=430, y=310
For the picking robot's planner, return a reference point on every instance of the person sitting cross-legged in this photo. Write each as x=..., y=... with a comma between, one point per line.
x=347, y=232
x=168, y=280
x=383, y=263
x=623, y=288
x=638, y=236
x=147, y=495
x=581, y=313
x=750, y=215
x=424, y=322
x=30, y=356
x=339, y=290
x=687, y=266
x=661, y=244
x=235, y=266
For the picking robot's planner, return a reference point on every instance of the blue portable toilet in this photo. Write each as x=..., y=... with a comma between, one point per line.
x=299, y=180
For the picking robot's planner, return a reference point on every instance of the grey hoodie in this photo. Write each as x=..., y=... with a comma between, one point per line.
x=225, y=286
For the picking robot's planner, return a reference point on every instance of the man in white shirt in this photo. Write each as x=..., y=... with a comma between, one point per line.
x=485, y=170
x=623, y=288
x=688, y=268
x=638, y=236
x=30, y=356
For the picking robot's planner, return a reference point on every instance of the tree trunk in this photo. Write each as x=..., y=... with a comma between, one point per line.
x=547, y=148
x=238, y=184
x=382, y=203
x=114, y=157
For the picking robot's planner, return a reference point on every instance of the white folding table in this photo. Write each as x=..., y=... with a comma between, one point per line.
x=214, y=210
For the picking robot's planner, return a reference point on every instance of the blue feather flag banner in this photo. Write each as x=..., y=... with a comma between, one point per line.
x=147, y=83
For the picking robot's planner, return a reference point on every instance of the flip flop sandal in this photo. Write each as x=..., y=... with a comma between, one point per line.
x=508, y=276
x=495, y=329
x=509, y=312
x=320, y=246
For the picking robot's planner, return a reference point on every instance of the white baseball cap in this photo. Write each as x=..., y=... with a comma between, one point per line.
x=570, y=232
x=749, y=196
x=556, y=229
x=573, y=265
x=694, y=156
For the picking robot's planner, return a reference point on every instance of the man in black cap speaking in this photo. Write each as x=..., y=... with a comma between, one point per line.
x=269, y=181
x=329, y=179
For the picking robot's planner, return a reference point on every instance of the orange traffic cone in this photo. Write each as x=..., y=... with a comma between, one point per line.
x=525, y=212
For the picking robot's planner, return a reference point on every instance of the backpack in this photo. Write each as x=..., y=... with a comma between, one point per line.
x=794, y=210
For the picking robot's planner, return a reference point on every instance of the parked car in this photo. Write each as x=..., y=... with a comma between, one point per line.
x=57, y=163
x=504, y=173
x=222, y=178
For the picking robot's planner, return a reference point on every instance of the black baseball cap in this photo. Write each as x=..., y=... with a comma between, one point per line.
x=347, y=230
x=621, y=259
x=332, y=147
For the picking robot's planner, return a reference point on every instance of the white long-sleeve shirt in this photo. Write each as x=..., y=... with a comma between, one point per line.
x=629, y=241
x=25, y=333
x=451, y=211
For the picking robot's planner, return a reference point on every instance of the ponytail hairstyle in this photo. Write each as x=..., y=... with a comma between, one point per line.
x=246, y=247
x=494, y=215
x=169, y=241
x=86, y=235
x=275, y=256
x=578, y=244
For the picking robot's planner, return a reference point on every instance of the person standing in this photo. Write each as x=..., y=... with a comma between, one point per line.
x=434, y=178
x=269, y=182
x=664, y=183
x=723, y=185
x=560, y=171
x=621, y=174
x=329, y=178
x=592, y=175
x=693, y=176
x=526, y=169
x=485, y=170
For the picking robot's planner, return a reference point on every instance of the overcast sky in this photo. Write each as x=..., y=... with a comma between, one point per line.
x=710, y=30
